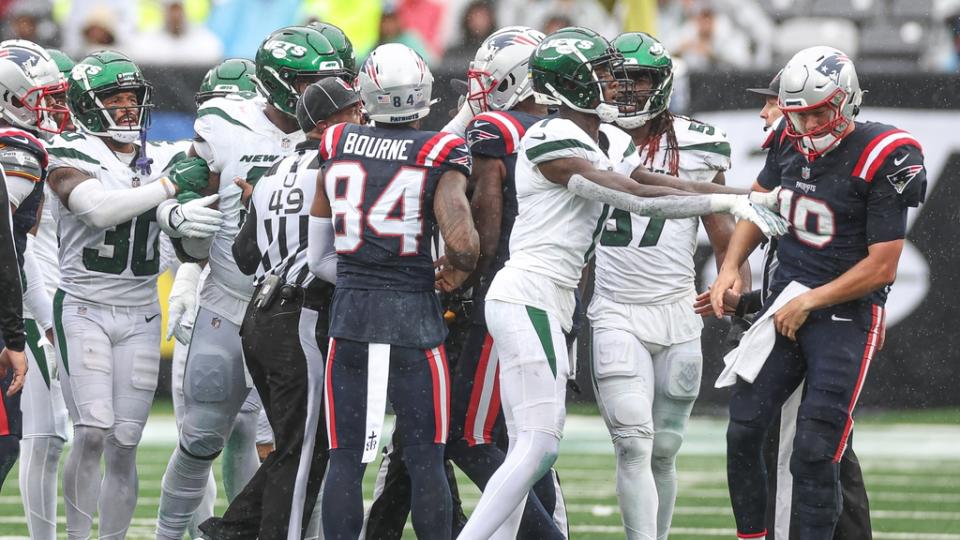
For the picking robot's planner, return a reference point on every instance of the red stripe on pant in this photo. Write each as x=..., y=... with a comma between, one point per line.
x=873, y=337
x=4, y=421
x=328, y=396
x=474, y=409
x=441, y=392
x=752, y=535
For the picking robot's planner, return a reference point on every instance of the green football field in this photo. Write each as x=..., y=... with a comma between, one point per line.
x=911, y=465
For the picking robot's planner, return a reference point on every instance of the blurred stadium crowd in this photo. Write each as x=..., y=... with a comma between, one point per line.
x=884, y=35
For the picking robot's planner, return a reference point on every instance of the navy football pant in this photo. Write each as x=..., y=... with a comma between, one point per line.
x=419, y=391
x=833, y=351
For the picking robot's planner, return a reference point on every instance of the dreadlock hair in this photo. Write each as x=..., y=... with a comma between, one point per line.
x=660, y=125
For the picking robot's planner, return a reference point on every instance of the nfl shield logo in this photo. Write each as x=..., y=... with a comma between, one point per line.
x=215, y=322
x=135, y=182
x=805, y=173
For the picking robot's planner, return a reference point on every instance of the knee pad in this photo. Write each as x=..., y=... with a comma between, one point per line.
x=208, y=379
x=127, y=434
x=633, y=450
x=666, y=444
x=89, y=436
x=201, y=444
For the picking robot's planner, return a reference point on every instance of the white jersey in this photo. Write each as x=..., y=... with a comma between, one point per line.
x=116, y=266
x=555, y=232
x=44, y=245
x=238, y=141
x=649, y=261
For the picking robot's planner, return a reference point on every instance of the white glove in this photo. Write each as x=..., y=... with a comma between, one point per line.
x=193, y=219
x=770, y=223
x=182, y=310
x=768, y=199
x=51, y=355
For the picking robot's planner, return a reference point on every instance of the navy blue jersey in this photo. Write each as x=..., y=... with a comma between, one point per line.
x=24, y=156
x=381, y=184
x=842, y=202
x=497, y=135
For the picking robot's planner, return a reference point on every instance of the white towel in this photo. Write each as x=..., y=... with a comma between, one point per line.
x=746, y=360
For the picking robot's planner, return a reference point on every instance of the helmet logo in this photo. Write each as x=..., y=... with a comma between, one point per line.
x=567, y=45
x=82, y=71
x=832, y=65
x=282, y=49
x=657, y=50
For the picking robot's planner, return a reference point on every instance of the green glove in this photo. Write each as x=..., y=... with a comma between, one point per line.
x=186, y=196
x=190, y=174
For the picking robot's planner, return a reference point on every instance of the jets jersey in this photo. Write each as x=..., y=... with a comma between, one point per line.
x=555, y=232
x=116, y=266
x=237, y=140
x=644, y=260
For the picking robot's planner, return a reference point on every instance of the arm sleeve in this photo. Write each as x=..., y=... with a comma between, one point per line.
x=245, y=249
x=100, y=207
x=11, y=291
x=898, y=185
x=321, y=254
x=35, y=296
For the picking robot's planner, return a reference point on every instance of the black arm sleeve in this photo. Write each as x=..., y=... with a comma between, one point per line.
x=11, y=290
x=245, y=249
x=750, y=302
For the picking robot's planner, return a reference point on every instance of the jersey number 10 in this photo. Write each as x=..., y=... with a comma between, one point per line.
x=396, y=212
x=800, y=211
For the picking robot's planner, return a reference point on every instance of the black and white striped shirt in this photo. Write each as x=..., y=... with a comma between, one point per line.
x=279, y=215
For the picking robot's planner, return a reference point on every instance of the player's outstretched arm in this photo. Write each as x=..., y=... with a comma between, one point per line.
x=580, y=177
x=450, y=206
x=647, y=178
x=487, y=205
x=94, y=204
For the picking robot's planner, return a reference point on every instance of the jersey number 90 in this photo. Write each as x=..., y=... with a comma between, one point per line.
x=396, y=212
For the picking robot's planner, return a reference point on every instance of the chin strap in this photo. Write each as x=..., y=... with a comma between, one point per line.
x=143, y=162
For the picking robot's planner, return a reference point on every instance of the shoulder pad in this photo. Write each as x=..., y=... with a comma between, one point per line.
x=702, y=146
x=495, y=134
x=234, y=112
x=16, y=138
x=445, y=149
x=556, y=138
x=21, y=163
x=876, y=153
x=73, y=150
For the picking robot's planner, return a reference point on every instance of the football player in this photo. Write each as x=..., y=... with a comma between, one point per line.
x=29, y=80
x=44, y=413
x=386, y=189
x=233, y=76
x=646, y=340
x=106, y=314
x=564, y=183
x=238, y=138
x=846, y=187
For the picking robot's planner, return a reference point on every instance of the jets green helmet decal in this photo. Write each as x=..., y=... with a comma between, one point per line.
x=292, y=56
x=97, y=77
x=565, y=67
x=648, y=66
x=341, y=43
x=232, y=76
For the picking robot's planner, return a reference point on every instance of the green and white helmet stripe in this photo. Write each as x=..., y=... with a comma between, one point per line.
x=643, y=58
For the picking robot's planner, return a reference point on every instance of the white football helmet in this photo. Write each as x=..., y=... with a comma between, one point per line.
x=29, y=80
x=816, y=77
x=497, y=78
x=395, y=84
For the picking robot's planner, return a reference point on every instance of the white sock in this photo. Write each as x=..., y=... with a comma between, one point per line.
x=39, y=458
x=81, y=480
x=636, y=490
x=118, y=497
x=240, y=459
x=533, y=455
x=183, y=488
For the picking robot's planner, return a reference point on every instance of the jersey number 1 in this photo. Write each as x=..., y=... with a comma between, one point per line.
x=395, y=213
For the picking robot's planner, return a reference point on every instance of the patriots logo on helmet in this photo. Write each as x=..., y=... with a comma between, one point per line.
x=510, y=38
x=833, y=64
x=902, y=178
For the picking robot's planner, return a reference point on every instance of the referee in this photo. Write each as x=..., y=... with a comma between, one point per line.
x=284, y=330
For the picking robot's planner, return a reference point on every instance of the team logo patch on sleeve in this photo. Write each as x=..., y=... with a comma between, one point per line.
x=902, y=178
